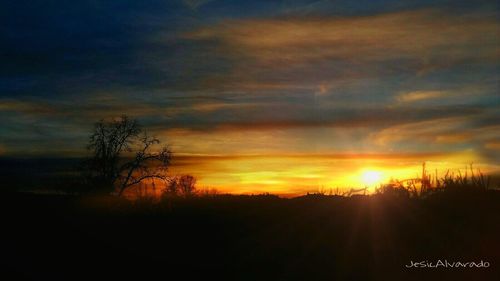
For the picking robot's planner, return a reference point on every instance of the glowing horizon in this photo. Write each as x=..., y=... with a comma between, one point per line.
x=277, y=96
x=299, y=174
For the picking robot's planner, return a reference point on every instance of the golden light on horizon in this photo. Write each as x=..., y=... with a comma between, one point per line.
x=299, y=174
x=371, y=178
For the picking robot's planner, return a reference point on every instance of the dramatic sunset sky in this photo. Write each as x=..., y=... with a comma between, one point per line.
x=280, y=96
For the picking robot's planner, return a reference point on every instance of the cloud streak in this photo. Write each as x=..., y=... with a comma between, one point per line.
x=416, y=96
x=412, y=39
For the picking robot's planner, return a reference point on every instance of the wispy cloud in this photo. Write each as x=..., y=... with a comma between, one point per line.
x=195, y=4
x=462, y=132
x=419, y=96
x=493, y=145
x=27, y=107
x=421, y=35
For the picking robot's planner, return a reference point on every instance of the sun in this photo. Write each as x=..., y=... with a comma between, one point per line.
x=371, y=178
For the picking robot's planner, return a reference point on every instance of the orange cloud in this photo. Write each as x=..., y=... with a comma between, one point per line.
x=493, y=145
x=426, y=131
x=420, y=95
x=422, y=35
x=318, y=55
x=452, y=130
x=10, y=105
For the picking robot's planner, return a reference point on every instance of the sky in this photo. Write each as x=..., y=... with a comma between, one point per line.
x=280, y=96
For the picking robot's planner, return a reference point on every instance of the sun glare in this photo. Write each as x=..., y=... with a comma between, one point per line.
x=371, y=178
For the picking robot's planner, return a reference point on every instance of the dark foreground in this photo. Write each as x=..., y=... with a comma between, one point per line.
x=250, y=238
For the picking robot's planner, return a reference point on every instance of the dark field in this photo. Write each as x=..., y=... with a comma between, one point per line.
x=316, y=237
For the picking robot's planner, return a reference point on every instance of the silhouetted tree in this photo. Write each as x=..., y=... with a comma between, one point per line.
x=123, y=156
x=187, y=185
x=172, y=187
x=184, y=185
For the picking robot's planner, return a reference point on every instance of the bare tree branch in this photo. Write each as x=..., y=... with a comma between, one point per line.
x=109, y=142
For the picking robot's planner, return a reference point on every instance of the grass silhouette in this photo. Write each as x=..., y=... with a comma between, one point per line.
x=318, y=236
